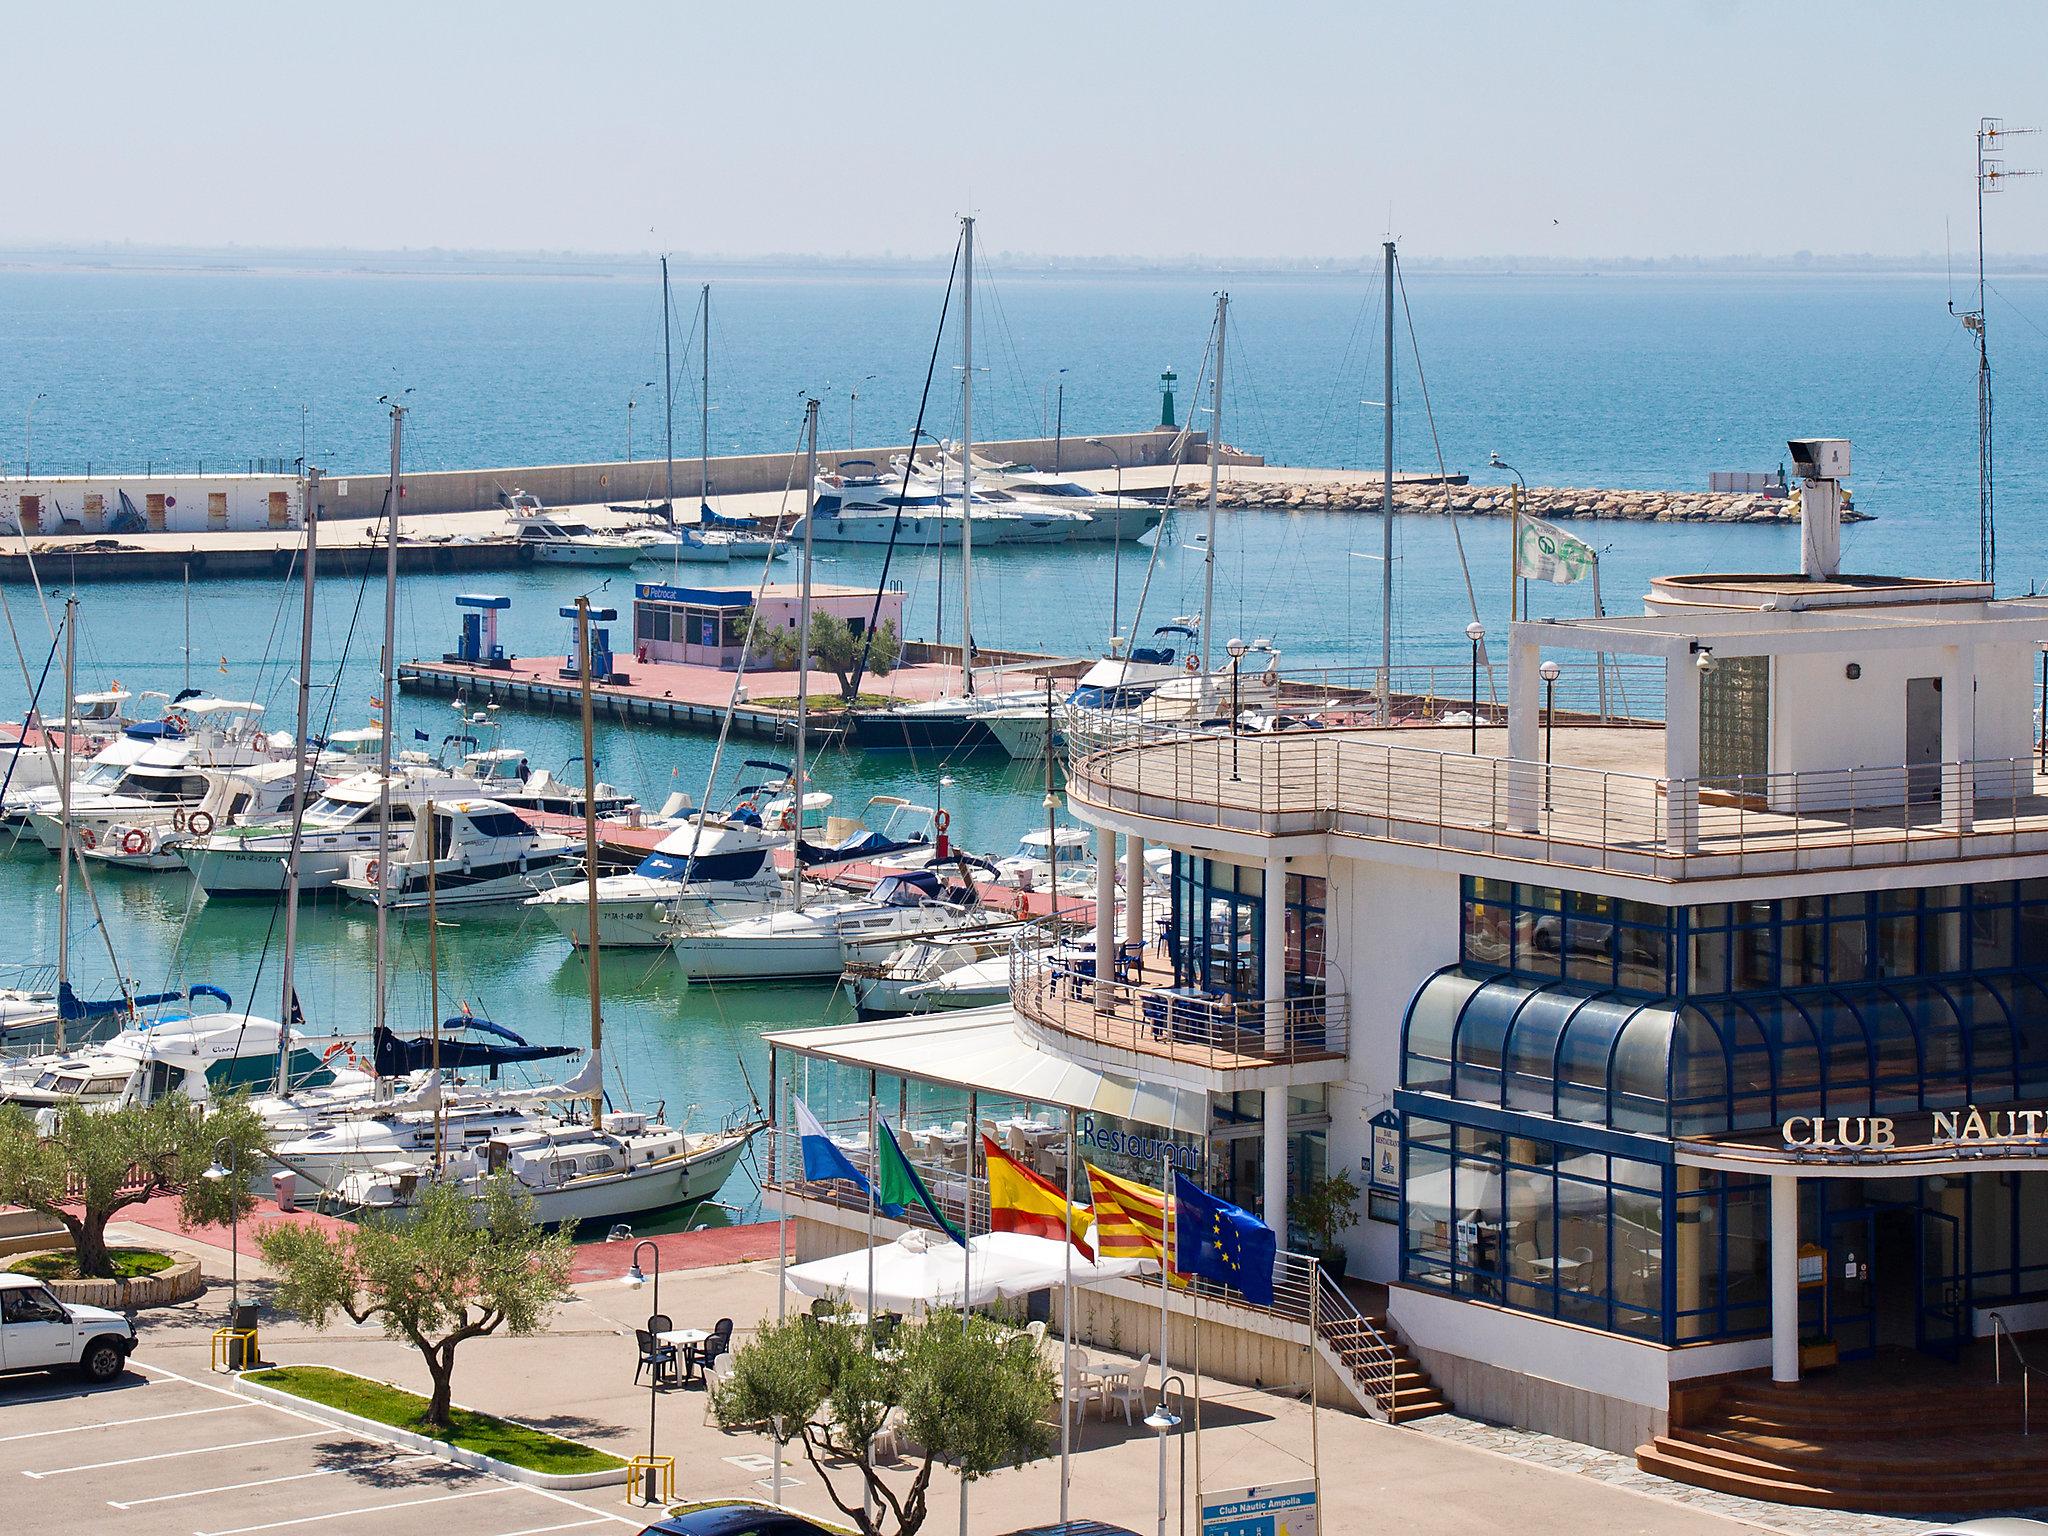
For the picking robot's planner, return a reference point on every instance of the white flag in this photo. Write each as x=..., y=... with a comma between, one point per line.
x=1544, y=552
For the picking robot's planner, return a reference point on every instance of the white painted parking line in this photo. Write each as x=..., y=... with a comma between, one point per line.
x=367, y=1509
x=147, y=1418
x=566, y=1502
x=262, y=1482
x=572, y=1525
x=197, y=1450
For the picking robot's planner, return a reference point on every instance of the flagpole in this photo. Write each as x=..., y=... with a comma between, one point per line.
x=781, y=1197
x=1315, y=1444
x=867, y=1498
x=1600, y=657
x=1514, y=550
x=1067, y=1329
x=1165, y=1255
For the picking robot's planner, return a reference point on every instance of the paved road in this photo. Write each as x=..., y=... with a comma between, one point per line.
x=161, y=1452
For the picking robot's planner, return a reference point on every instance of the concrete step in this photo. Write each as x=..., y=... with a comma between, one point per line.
x=1762, y=1481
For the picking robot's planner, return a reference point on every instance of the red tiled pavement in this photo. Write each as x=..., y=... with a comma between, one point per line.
x=161, y=1214
x=679, y=1250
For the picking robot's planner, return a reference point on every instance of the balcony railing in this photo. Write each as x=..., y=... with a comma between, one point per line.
x=1368, y=785
x=1177, y=1023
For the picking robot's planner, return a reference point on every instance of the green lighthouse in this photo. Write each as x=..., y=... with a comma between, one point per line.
x=1166, y=382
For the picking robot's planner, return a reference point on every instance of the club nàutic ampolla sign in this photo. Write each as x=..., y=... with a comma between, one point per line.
x=1971, y=1127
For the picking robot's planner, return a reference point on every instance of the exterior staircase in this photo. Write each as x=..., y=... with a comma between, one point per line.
x=1886, y=1436
x=1365, y=1351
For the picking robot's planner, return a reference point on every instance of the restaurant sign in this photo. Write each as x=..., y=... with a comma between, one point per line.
x=1971, y=1127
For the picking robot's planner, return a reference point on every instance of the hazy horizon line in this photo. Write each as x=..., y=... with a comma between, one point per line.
x=484, y=261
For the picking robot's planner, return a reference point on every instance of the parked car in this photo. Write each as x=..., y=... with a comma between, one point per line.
x=741, y=1518
x=40, y=1333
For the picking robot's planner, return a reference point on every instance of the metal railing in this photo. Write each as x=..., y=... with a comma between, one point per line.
x=1186, y=1026
x=2002, y=1337
x=1370, y=785
x=1368, y=1354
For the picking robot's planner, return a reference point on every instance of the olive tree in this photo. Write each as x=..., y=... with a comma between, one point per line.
x=83, y=1165
x=835, y=646
x=462, y=1267
x=978, y=1397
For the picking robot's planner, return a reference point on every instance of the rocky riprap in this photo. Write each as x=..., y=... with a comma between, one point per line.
x=1560, y=503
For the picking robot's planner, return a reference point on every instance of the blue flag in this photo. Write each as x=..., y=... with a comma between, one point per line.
x=1218, y=1241
x=823, y=1159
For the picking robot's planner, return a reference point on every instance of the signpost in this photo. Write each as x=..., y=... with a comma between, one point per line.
x=1273, y=1509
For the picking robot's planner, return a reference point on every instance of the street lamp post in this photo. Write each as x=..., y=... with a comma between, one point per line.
x=216, y=1171
x=1237, y=648
x=635, y=1278
x=2044, y=704
x=1116, y=558
x=1475, y=632
x=1550, y=671
x=1514, y=532
x=1165, y=1420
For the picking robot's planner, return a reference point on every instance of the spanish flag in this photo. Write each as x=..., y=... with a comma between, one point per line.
x=1130, y=1218
x=1022, y=1201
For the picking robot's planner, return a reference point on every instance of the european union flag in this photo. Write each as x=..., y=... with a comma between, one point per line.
x=1218, y=1241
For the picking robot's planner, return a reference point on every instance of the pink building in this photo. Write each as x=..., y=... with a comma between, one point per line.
x=706, y=626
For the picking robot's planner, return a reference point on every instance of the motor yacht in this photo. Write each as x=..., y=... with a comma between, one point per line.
x=556, y=541
x=481, y=853
x=813, y=941
x=711, y=869
x=156, y=838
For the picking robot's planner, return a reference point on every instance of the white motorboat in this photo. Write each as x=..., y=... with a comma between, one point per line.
x=572, y=1172
x=91, y=778
x=481, y=853
x=155, y=839
x=33, y=756
x=712, y=869
x=813, y=941
x=964, y=968
x=658, y=541
x=556, y=541
x=196, y=1054
x=1063, y=858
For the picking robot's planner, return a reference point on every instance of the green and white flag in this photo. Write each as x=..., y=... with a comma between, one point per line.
x=1544, y=552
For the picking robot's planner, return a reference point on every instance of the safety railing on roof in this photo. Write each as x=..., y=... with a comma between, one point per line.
x=1178, y=1023
x=1370, y=785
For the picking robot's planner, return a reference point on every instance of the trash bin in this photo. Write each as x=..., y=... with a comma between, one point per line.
x=244, y=1349
x=285, y=1186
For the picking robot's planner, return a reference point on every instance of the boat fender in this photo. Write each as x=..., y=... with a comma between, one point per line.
x=134, y=841
x=178, y=819
x=201, y=823
x=86, y=839
x=1193, y=665
x=942, y=820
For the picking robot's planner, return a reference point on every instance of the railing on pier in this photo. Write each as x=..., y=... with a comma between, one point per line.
x=1369, y=785
x=1155, y=1020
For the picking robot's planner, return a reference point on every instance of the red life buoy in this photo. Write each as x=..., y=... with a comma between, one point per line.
x=202, y=823
x=340, y=1048
x=372, y=870
x=178, y=819
x=1272, y=677
x=942, y=820
x=1193, y=665
x=134, y=841
x=176, y=722
x=88, y=839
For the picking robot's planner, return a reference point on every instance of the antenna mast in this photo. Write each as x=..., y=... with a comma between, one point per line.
x=1992, y=174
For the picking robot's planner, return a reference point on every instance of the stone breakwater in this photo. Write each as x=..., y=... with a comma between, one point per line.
x=1558, y=503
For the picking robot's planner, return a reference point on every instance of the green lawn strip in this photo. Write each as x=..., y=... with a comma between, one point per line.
x=129, y=1264
x=533, y=1449
x=830, y=705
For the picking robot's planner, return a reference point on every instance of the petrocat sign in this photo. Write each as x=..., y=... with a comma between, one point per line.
x=1972, y=1127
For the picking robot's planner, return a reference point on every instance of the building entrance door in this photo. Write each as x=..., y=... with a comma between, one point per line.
x=1923, y=738
x=1940, y=1325
x=1850, y=1238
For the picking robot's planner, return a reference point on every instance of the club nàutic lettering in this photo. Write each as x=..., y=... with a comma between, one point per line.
x=1879, y=1133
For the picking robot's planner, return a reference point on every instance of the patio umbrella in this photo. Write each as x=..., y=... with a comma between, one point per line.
x=923, y=1270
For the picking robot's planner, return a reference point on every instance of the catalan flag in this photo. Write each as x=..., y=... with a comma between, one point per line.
x=1130, y=1218
x=1022, y=1201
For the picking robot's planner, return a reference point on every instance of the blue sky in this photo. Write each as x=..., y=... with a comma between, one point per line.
x=1578, y=127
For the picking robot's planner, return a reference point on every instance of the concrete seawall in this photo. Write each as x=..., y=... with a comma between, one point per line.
x=469, y=490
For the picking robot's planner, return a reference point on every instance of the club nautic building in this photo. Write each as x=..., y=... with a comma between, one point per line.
x=1685, y=1063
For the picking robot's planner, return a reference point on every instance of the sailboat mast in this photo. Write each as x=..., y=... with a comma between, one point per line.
x=301, y=772
x=64, y=795
x=434, y=985
x=966, y=464
x=391, y=500
x=1215, y=467
x=591, y=951
x=1387, y=501
x=1987, y=535
x=803, y=652
x=704, y=412
x=668, y=403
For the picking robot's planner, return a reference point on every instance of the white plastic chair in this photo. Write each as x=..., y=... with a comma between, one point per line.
x=1127, y=1390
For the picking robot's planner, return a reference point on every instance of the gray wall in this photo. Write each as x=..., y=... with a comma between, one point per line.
x=471, y=490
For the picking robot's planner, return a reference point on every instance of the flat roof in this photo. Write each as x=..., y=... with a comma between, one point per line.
x=741, y=597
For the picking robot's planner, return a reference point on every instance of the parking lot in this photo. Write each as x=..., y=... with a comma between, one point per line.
x=158, y=1451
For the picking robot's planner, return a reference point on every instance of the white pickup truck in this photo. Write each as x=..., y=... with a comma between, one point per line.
x=40, y=1333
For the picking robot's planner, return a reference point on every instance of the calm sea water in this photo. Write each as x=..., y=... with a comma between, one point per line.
x=1594, y=380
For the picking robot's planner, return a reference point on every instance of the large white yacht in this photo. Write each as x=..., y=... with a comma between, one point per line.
x=481, y=852
x=814, y=940
x=712, y=869
x=557, y=541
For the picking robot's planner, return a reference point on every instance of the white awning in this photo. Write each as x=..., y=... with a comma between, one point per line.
x=985, y=1050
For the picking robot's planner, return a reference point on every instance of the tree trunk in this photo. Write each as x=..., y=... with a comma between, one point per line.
x=89, y=1245
x=442, y=1369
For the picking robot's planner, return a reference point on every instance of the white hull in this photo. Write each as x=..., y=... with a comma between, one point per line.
x=585, y=554
x=646, y=922
x=502, y=890
x=814, y=952
x=685, y=551
x=259, y=870
x=1023, y=735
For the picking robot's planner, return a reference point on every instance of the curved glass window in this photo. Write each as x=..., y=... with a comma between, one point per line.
x=1844, y=1054
x=1941, y=1080
x=1895, y=1051
x=1700, y=1093
x=1432, y=1021
x=1530, y=1060
x=1639, y=1079
x=1481, y=1035
x=1583, y=1058
x=1985, y=1010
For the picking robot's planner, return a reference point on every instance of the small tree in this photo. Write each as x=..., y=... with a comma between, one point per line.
x=978, y=1397
x=835, y=646
x=1328, y=1208
x=462, y=1268
x=94, y=1163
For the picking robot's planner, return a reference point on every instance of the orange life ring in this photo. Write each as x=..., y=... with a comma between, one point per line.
x=201, y=823
x=372, y=870
x=87, y=839
x=942, y=820
x=176, y=722
x=1193, y=665
x=1271, y=677
x=744, y=805
x=178, y=819
x=134, y=840
x=339, y=1048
